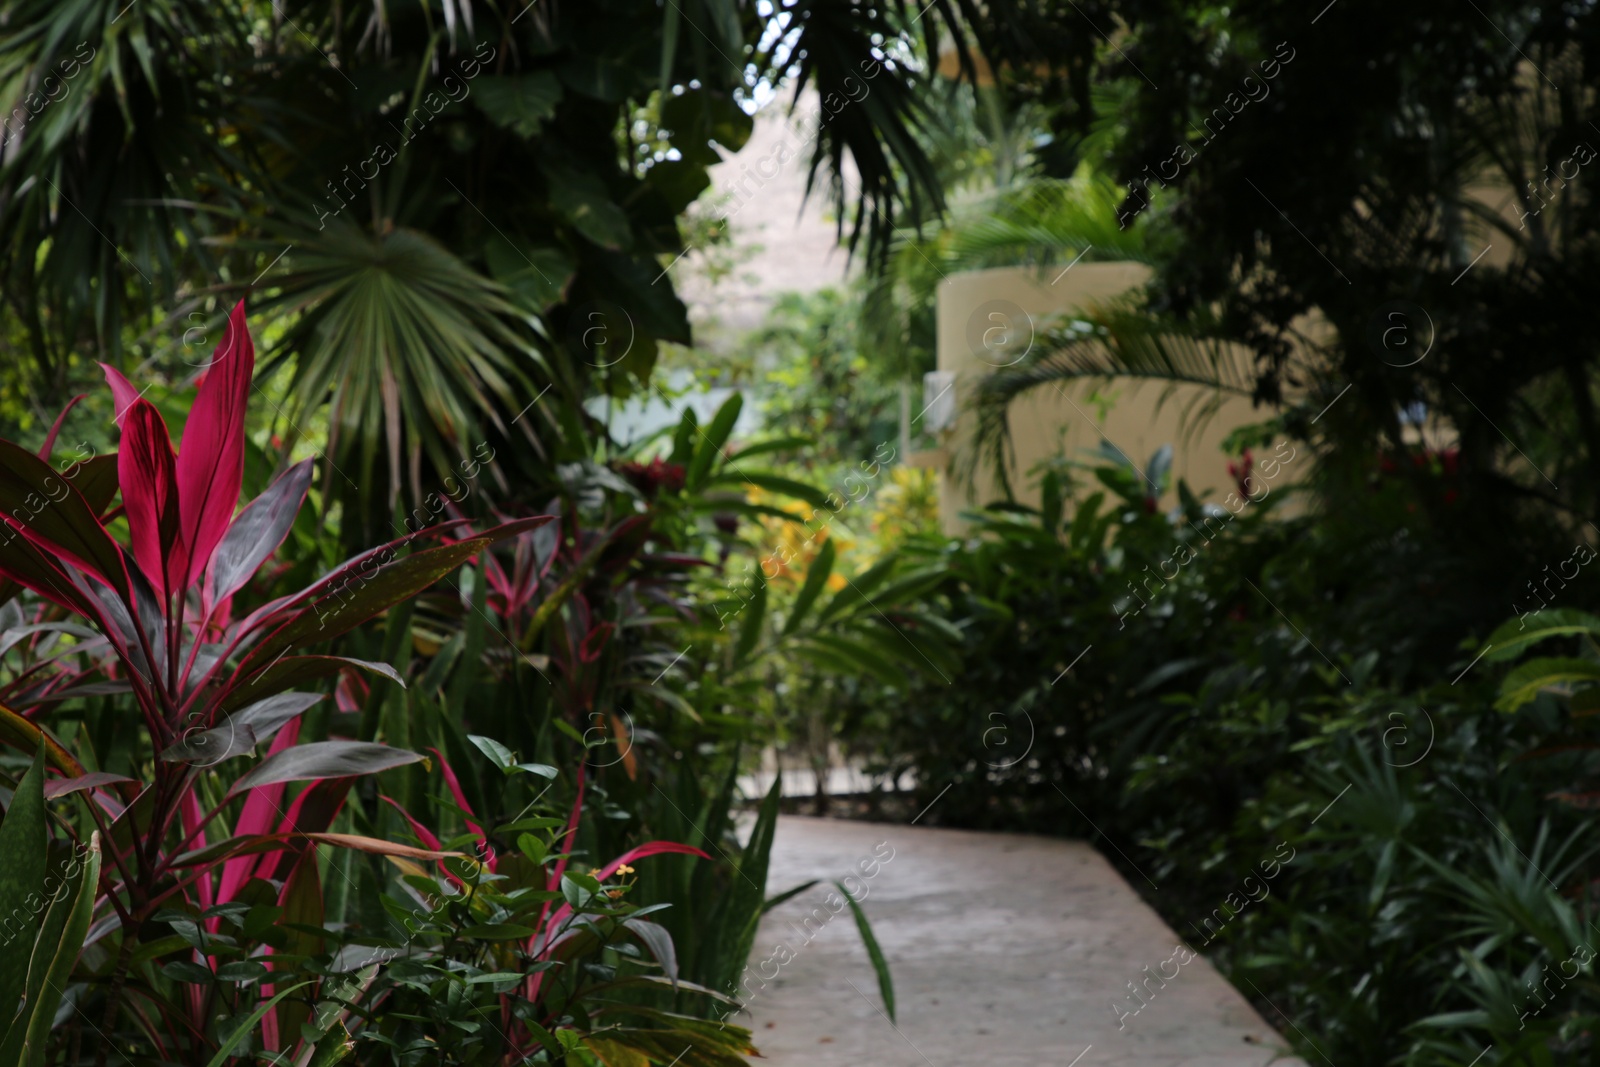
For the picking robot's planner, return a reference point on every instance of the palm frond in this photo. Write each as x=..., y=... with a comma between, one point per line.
x=393, y=330
x=1112, y=340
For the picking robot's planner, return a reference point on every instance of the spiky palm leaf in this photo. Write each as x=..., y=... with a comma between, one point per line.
x=1115, y=339
x=393, y=330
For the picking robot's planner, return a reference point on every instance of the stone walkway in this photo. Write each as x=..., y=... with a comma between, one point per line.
x=1006, y=950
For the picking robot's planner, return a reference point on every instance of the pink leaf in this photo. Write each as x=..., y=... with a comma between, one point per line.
x=211, y=456
x=60, y=787
x=650, y=848
x=259, y=814
x=55, y=428
x=425, y=835
x=123, y=394
x=450, y=779
x=145, y=467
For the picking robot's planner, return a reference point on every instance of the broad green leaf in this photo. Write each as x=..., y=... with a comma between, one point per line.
x=521, y=103
x=498, y=754
x=583, y=201
x=1515, y=636
x=56, y=955
x=498, y=932
x=22, y=880
x=1531, y=678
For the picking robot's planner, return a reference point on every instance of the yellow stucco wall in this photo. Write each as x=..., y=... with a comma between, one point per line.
x=984, y=318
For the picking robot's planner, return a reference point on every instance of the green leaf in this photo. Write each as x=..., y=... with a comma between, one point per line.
x=710, y=442
x=772, y=483
x=498, y=754
x=1050, y=502
x=535, y=274
x=879, y=964
x=679, y=181
x=1527, y=681
x=775, y=444
x=185, y=971
x=862, y=659
x=582, y=200
x=248, y=1026
x=858, y=590
x=685, y=437
x=22, y=876
x=816, y=580
x=750, y=632
x=55, y=957
x=498, y=932
x=244, y=971
x=520, y=103
x=1515, y=636
x=700, y=117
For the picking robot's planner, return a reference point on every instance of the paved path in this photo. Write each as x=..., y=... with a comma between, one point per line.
x=1006, y=950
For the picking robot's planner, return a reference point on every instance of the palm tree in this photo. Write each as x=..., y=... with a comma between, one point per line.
x=450, y=207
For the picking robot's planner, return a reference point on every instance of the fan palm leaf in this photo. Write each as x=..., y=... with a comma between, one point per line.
x=393, y=330
x=1116, y=339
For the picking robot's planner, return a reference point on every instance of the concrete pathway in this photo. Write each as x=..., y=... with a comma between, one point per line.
x=1006, y=950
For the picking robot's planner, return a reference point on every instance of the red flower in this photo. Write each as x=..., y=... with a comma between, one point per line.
x=653, y=477
x=1240, y=473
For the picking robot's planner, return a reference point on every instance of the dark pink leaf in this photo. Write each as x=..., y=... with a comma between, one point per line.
x=649, y=848
x=60, y=787
x=146, y=468
x=425, y=835
x=258, y=817
x=211, y=456
x=36, y=499
x=55, y=427
x=123, y=394
x=454, y=783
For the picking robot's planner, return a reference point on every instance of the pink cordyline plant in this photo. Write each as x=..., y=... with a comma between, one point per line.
x=210, y=681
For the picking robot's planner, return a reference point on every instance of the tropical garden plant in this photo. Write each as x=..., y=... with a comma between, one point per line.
x=196, y=929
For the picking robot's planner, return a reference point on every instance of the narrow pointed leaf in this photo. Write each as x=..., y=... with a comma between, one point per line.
x=295, y=670
x=61, y=957
x=64, y=524
x=22, y=876
x=147, y=470
x=257, y=532
x=210, y=464
x=324, y=759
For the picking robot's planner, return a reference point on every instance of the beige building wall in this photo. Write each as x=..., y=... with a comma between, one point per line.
x=985, y=319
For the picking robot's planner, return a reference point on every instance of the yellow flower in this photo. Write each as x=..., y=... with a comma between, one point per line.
x=624, y=869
